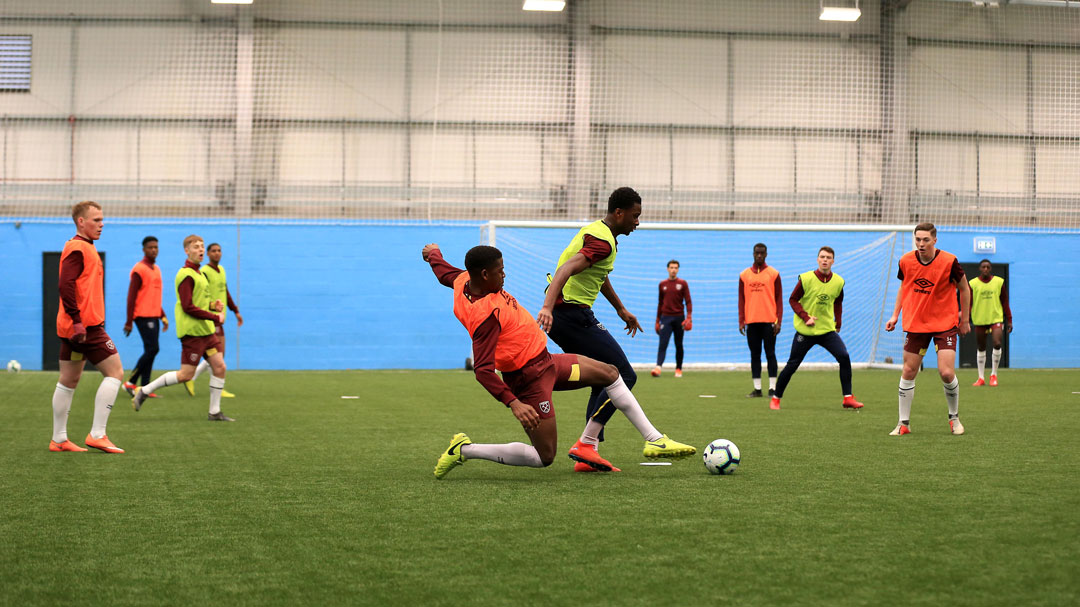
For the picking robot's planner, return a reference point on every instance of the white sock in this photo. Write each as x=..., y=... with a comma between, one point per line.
x=772, y=383
x=624, y=401
x=61, y=406
x=757, y=384
x=511, y=454
x=103, y=402
x=203, y=366
x=980, y=357
x=996, y=359
x=217, y=384
x=952, y=396
x=163, y=380
x=591, y=435
x=907, y=394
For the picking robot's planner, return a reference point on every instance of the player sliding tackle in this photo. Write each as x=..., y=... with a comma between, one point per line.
x=506, y=338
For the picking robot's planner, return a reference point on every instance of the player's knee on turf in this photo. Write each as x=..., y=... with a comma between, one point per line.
x=546, y=453
x=610, y=374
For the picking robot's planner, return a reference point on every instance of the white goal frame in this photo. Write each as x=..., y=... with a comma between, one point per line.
x=488, y=236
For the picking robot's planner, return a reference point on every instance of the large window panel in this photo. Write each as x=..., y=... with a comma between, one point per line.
x=827, y=165
x=330, y=73
x=106, y=152
x=489, y=76
x=947, y=165
x=312, y=155
x=806, y=83
x=764, y=164
x=1057, y=169
x=702, y=161
x=1002, y=168
x=968, y=89
x=156, y=70
x=446, y=159
x=375, y=155
x=38, y=152
x=640, y=159
x=1056, y=95
x=661, y=80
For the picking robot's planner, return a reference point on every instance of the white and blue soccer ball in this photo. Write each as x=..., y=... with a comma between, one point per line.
x=13, y=366
x=721, y=456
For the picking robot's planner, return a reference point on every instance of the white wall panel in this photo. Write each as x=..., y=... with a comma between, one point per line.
x=806, y=83
x=50, y=73
x=171, y=153
x=1001, y=168
x=330, y=73
x=508, y=158
x=963, y=21
x=1056, y=94
x=827, y=165
x=376, y=155
x=764, y=164
x=968, y=89
x=642, y=159
x=167, y=70
x=870, y=163
x=556, y=153
x=106, y=152
x=446, y=159
x=1056, y=169
x=702, y=161
x=946, y=164
x=311, y=155
x=38, y=152
x=490, y=76
x=661, y=80
x=773, y=16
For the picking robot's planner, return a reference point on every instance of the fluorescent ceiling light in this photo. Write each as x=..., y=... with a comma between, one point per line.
x=231, y=1
x=835, y=13
x=543, y=5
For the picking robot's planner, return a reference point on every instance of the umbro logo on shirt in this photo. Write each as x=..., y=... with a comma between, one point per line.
x=923, y=283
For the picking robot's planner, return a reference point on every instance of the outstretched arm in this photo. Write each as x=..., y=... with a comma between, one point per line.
x=444, y=272
x=965, y=304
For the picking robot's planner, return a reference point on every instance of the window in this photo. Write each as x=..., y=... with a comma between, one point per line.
x=14, y=63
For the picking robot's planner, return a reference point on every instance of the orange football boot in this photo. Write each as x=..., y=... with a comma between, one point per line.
x=979, y=382
x=993, y=380
x=851, y=403
x=774, y=404
x=655, y=372
x=103, y=444
x=64, y=446
x=678, y=372
x=588, y=455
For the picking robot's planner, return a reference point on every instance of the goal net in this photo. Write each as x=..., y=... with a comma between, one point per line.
x=711, y=256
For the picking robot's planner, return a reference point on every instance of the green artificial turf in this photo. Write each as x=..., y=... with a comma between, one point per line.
x=313, y=499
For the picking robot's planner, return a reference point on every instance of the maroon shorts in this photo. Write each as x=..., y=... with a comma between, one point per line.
x=917, y=343
x=193, y=348
x=534, y=383
x=95, y=348
x=220, y=333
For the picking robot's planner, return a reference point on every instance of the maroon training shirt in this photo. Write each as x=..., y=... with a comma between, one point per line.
x=70, y=270
x=672, y=295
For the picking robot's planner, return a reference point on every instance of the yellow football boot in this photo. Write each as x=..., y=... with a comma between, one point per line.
x=452, y=456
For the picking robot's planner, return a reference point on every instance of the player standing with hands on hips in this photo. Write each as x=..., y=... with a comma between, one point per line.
x=669, y=317
x=931, y=280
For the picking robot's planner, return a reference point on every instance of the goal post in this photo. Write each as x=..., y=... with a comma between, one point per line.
x=711, y=256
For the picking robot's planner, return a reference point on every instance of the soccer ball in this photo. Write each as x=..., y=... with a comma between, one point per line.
x=13, y=366
x=721, y=456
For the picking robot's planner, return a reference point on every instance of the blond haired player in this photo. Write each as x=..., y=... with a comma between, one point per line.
x=196, y=318
x=931, y=280
x=80, y=325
